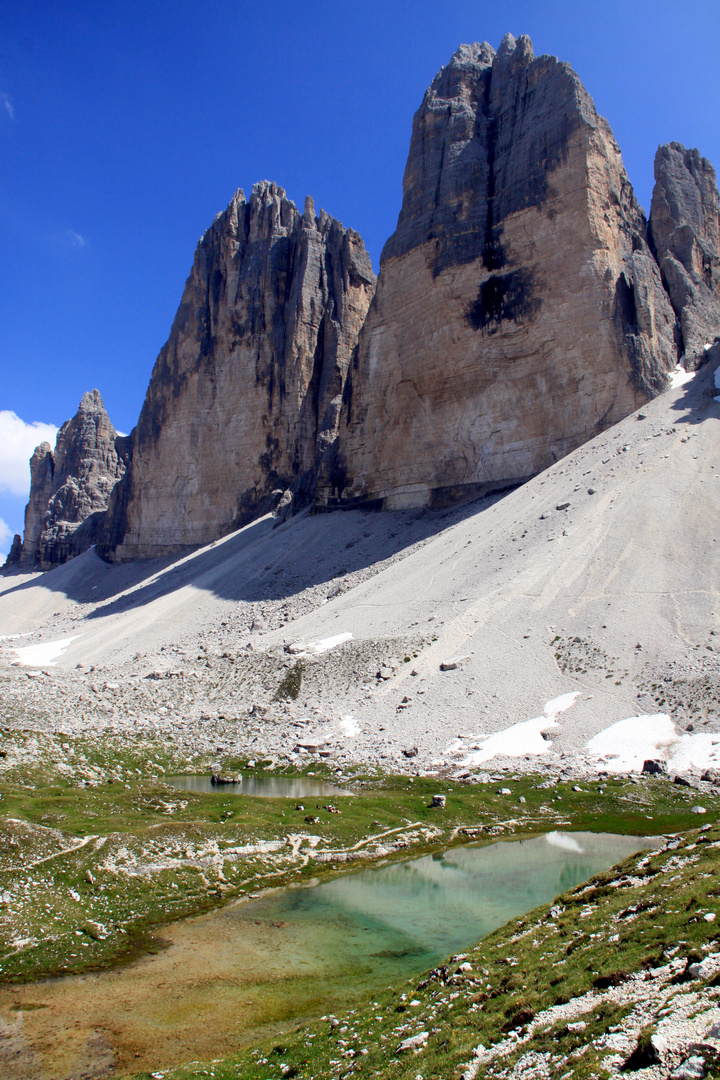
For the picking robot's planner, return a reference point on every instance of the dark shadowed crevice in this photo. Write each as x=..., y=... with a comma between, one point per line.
x=493, y=254
x=503, y=298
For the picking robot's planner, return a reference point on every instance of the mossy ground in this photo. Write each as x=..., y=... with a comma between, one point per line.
x=90, y=870
x=131, y=855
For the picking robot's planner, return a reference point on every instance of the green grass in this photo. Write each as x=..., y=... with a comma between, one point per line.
x=91, y=870
x=145, y=866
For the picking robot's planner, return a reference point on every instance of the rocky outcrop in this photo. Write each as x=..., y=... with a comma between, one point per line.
x=70, y=487
x=685, y=233
x=245, y=396
x=519, y=310
x=13, y=558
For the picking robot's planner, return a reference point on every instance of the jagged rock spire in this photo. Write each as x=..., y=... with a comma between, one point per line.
x=247, y=390
x=685, y=232
x=70, y=487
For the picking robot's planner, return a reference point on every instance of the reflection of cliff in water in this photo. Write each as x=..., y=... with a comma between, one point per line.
x=444, y=902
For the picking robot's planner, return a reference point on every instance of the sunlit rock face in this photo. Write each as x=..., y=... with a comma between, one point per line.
x=245, y=397
x=70, y=487
x=519, y=310
x=685, y=233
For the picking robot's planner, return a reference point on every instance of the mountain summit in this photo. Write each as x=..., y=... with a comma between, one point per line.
x=519, y=309
x=523, y=306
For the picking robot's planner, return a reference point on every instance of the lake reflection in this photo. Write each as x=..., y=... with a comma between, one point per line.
x=265, y=787
x=427, y=908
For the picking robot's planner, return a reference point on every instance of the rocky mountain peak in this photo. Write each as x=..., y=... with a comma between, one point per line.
x=245, y=396
x=519, y=51
x=519, y=309
x=70, y=486
x=523, y=306
x=685, y=234
x=91, y=401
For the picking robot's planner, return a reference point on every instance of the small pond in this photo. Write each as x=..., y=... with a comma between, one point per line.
x=266, y=787
x=254, y=968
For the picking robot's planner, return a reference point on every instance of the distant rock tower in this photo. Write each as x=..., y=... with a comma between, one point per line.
x=245, y=396
x=519, y=310
x=685, y=232
x=70, y=487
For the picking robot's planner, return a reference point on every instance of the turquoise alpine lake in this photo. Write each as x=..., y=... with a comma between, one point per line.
x=254, y=968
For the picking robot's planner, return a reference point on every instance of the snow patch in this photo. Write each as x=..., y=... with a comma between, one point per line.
x=680, y=376
x=700, y=751
x=628, y=743
x=44, y=654
x=523, y=738
x=515, y=741
x=561, y=704
x=349, y=726
x=325, y=644
x=624, y=746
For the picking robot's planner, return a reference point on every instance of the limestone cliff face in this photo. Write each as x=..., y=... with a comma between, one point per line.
x=70, y=487
x=685, y=232
x=246, y=394
x=519, y=310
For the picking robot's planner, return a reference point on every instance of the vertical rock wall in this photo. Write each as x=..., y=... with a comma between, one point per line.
x=519, y=310
x=246, y=394
x=70, y=487
x=685, y=233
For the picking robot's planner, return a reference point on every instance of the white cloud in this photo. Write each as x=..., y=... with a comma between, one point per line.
x=17, y=442
x=74, y=239
x=6, y=535
x=7, y=105
x=67, y=238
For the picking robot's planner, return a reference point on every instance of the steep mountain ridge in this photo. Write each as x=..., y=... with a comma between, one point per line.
x=519, y=310
x=245, y=395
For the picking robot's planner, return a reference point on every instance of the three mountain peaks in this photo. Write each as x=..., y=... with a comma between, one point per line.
x=523, y=305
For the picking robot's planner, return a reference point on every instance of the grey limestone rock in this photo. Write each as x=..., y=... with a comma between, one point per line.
x=519, y=310
x=245, y=397
x=70, y=486
x=13, y=558
x=685, y=233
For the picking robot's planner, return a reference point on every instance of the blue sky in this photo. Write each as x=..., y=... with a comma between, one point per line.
x=124, y=129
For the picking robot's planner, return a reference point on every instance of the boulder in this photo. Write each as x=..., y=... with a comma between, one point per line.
x=414, y=1042
x=654, y=767
x=519, y=310
x=453, y=663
